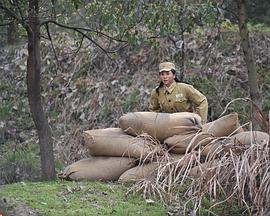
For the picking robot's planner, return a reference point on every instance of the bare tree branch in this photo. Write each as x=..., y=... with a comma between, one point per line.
x=19, y=9
x=81, y=41
x=14, y=15
x=49, y=35
x=80, y=29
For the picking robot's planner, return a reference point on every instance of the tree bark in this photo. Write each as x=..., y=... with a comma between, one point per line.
x=250, y=64
x=248, y=54
x=34, y=94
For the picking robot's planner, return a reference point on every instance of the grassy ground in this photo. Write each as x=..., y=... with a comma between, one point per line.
x=74, y=198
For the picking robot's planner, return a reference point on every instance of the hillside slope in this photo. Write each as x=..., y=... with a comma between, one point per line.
x=89, y=89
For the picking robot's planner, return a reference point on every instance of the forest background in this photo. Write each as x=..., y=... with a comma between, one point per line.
x=99, y=60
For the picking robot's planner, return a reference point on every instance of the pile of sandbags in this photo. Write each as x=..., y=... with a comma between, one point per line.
x=114, y=142
x=222, y=127
x=146, y=170
x=159, y=125
x=98, y=168
x=138, y=141
x=145, y=141
x=235, y=144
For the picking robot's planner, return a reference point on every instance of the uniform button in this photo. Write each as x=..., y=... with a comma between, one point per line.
x=169, y=100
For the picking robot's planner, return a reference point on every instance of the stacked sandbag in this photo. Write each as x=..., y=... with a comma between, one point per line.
x=98, y=168
x=182, y=143
x=144, y=137
x=220, y=129
x=198, y=170
x=114, y=142
x=235, y=142
x=139, y=172
x=251, y=137
x=215, y=148
x=185, y=142
x=143, y=171
x=223, y=126
x=159, y=125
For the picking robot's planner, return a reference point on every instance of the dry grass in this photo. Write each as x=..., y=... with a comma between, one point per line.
x=241, y=173
x=229, y=172
x=154, y=149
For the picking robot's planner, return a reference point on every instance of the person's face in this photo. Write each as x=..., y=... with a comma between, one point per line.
x=167, y=77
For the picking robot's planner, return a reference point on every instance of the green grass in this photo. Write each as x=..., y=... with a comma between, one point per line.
x=79, y=198
x=224, y=209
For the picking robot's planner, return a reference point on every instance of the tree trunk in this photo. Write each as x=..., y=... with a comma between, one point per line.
x=249, y=58
x=34, y=95
x=248, y=54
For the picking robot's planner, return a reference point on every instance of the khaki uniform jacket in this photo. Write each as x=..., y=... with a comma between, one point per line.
x=179, y=97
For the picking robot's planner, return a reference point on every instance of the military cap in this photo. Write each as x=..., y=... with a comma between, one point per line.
x=166, y=66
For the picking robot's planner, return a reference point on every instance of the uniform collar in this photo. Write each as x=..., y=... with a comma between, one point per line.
x=171, y=88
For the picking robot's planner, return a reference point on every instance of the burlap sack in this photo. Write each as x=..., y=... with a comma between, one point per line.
x=210, y=148
x=237, y=143
x=197, y=171
x=138, y=173
x=98, y=168
x=182, y=143
x=223, y=126
x=146, y=170
x=249, y=137
x=114, y=142
x=159, y=125
x=220, y=146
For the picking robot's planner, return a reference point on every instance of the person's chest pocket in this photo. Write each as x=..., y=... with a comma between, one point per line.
x=162, y=104
x=167, y=106
x=182, y=104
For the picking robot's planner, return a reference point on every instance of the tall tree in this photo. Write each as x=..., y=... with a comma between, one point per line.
x=249, y=58
x=34, y=95
x=248, y=52
x=32, y=26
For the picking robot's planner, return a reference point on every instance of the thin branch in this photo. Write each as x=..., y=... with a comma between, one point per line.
x=79, y=46
x=236, y=99
x=9, y=12
x=19, y=9
x=80, y=29
x=49, y=35
x=13, y=15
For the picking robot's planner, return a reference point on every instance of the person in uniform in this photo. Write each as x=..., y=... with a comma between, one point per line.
x=173, y=96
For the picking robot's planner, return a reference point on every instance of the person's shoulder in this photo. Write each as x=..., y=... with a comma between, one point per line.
x=184, y=85
x=155, y=88
x=160, y=88
x=153, y=91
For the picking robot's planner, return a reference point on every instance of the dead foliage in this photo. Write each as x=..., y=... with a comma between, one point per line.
x=230, y=172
